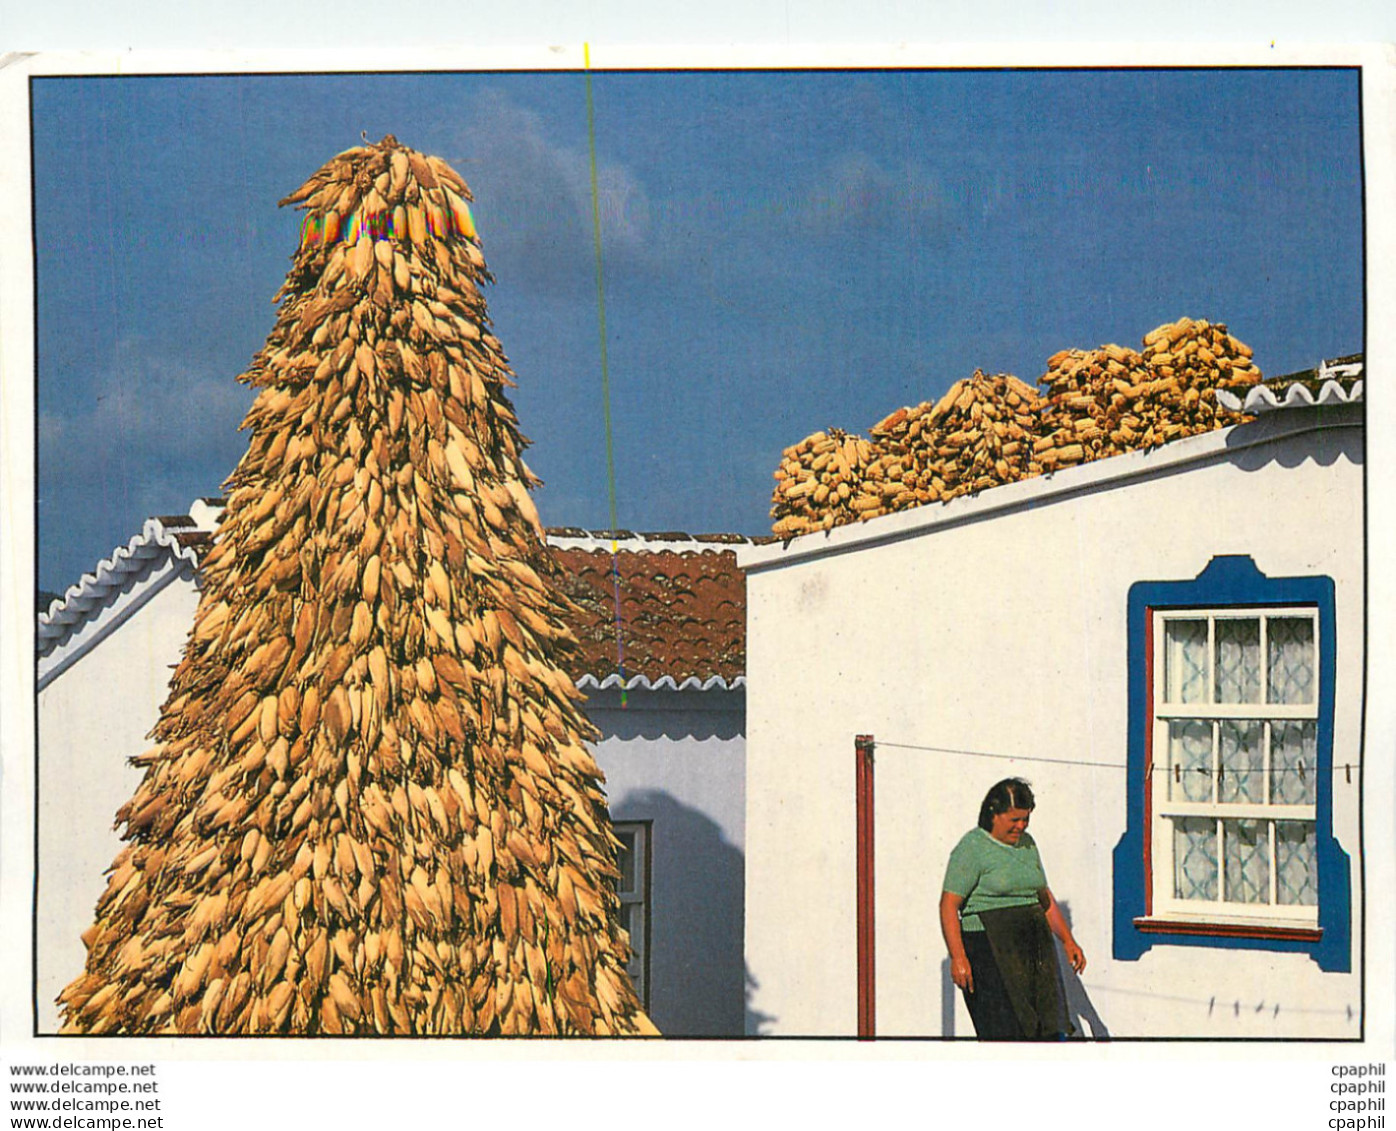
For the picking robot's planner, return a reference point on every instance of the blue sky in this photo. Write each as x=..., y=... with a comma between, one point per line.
x=784, y=252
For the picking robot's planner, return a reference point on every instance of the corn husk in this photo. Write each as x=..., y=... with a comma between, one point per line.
x=370, y=809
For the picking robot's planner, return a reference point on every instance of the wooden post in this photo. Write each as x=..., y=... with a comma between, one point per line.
x=867, y=933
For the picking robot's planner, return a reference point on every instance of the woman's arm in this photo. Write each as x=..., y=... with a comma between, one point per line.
x=960, y=973
x=1057, y=921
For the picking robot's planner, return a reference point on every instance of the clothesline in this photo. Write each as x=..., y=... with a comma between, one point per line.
x=1301, y=771
x=1004, y=757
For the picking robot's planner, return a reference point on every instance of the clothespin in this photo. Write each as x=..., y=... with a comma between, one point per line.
x=1301, y=770
x=1347, y=769
x=1277, y=1010
x=1177, y=772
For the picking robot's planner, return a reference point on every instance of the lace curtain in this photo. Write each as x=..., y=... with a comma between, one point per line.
x=1224, y=760
x=1291, y=667
x=1289, y=670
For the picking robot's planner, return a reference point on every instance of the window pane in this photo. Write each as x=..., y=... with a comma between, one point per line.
x=632, y=919
x=1185, y=661
x=1195, y=858
x=1291, y=667
x=1247, y=861
x=1189, y=760
x=1242, y=761
x=630, y=923
x=1296, y=863
x=1293, y=762
x=1238, y=661
x=627, y=860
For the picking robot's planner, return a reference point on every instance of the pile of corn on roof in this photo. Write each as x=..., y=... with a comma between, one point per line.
x=989, y=430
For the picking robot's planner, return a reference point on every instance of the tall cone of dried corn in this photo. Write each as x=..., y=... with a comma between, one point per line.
x=370, y=810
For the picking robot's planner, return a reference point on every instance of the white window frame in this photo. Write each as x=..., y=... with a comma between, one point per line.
x=638, y=896
x=1165, y=810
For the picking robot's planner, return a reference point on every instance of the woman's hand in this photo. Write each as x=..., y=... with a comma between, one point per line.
x=1075, y=955
x=961, y=974
x=1057, y=922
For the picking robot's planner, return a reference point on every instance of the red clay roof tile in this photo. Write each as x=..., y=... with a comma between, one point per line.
x=682, y=615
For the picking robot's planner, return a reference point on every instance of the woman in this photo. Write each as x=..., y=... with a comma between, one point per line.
x=996, y=912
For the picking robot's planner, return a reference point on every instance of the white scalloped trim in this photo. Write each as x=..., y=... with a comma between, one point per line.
x=68, y=612
x=1260, y=399
x=663, y=683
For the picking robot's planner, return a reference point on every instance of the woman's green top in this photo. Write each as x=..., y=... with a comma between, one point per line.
x=989, y=874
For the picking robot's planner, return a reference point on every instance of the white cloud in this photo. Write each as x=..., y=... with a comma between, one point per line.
x=534, y=200
x=146, y=434
x=141, y=413
x=860, y=190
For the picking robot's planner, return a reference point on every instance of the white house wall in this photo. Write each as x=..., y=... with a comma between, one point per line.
x=678, y=759
x=93, y=716
x=1006, y=635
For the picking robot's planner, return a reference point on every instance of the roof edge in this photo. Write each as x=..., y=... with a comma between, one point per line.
x=73, y=609
x=628, y=541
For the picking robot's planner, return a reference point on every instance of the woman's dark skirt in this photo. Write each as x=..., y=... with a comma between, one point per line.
x=1016, y=985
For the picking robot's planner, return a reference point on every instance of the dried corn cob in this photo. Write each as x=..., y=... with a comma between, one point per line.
x=817, y=480
x=978, y=435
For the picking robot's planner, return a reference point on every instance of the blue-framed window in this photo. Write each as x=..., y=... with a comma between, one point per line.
x=1229, y=840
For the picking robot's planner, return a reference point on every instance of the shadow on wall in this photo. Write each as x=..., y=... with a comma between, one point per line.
x=1335, y=443
x=670, y=723
x=757, y=1023
x=699, y=984
x=1080, y=1010
x=948, y=990
x=1340, y=439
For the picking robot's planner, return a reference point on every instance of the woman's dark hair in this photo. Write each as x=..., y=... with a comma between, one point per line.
x=1011, y=793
